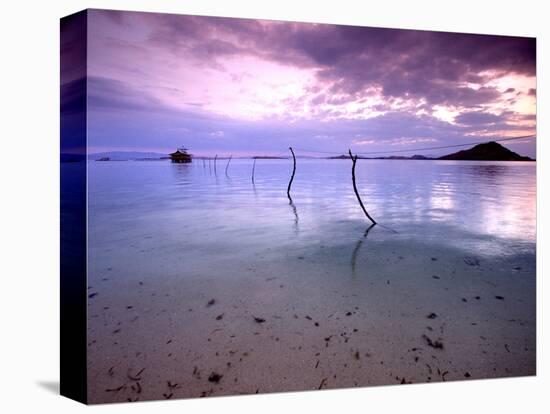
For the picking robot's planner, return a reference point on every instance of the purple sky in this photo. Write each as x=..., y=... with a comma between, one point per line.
x=242, y=87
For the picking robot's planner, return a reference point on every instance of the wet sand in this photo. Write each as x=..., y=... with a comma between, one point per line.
x=163, y=323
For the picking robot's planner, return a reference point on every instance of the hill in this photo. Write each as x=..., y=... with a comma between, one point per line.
x=490, y=151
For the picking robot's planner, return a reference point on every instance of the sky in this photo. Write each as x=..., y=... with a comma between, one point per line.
x=255, y=87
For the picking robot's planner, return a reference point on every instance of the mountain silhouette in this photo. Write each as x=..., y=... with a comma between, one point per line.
x=490, y=151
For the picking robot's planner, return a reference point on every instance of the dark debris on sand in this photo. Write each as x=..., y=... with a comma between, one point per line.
x=117, y=389
x=135, y=377
x=136, y=388
x=215, y=377
x=434, y=344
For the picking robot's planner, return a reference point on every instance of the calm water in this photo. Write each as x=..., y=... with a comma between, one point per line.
x=182, y=259
x=483, y=207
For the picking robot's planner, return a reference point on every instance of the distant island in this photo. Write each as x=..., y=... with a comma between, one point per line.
x=126, y=155
x=489, y=151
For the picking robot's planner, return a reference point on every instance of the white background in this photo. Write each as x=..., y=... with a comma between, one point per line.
x=29, y=192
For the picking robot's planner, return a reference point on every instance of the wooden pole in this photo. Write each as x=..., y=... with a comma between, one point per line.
x=293, y=172
x=215, y=159
x=227, y=166
x=253, y=168
x=354, y=161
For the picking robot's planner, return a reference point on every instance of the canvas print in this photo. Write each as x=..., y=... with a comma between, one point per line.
x=253, y=206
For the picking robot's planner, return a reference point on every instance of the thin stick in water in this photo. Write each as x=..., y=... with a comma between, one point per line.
x=215, y=159
x=227, y=166
x=354, y=161
x=253, y=168
x=293, y=172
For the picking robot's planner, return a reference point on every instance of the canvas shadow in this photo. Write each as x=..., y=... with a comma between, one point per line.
x=51, y=386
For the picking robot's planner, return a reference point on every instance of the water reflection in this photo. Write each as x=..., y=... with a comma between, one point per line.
x=181, y=173
x=487, y=207
x=490, y=170
x=227, y=166
x=295, y=212
x=357, y=247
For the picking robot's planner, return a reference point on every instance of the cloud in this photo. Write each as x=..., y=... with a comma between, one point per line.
x=431, y=65
x=119, y=114
x=73, y=115
x=112, y=94
x=477, y=118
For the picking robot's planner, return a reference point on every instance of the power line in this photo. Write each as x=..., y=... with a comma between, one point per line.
x=316, y=151
x=285, y=153
x=419, y=149
x=447, y=146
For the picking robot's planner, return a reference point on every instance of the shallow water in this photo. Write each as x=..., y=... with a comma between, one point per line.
x=456, y=239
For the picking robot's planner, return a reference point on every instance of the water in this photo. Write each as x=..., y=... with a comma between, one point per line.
x=486, y=208
x=166, y=238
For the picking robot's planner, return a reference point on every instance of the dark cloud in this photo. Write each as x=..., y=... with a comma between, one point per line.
x=110, y=94
x=430, y=65
x=73, y=83
x=73, y=96
x=114, y=97
x=528, y=117
x=73, y=46
x=73, y=115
